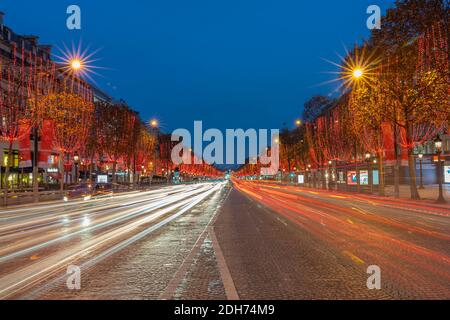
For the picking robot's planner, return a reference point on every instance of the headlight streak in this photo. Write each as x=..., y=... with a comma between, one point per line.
x=373, y=237
x=118, y=247
x=107, y=221
x=44, y=218
x=20, y=212
x=47, y=266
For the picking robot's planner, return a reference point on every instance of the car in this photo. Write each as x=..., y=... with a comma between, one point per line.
x=81, y=191
x=102, y=189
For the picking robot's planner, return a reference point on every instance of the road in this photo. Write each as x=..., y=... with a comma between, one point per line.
x=246, y=240
x=39, y=242
x=318, y=244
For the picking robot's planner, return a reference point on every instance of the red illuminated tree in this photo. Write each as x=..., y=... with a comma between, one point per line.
x=71, y=117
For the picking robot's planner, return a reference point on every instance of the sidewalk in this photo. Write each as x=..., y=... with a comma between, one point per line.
x=431, y=192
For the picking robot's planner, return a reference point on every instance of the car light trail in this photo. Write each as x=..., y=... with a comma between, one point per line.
x=95, y=232
x=367, y=232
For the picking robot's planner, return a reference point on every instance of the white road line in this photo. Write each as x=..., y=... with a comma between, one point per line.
x=178, y=277
x=227, y=280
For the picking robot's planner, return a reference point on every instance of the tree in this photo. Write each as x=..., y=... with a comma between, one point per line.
x=315, y=106
x=71, y=117
x=416, y=92
x=368, y=109
x=145, y=147
x=92, y=150
x=13, y=109
x=116, y=125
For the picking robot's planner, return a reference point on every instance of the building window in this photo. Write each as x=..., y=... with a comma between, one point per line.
x=15, y=159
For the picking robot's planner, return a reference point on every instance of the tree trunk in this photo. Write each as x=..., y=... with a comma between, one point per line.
x=396, y=165
x=411, y=163
x=380, y=174
x=412, y=176
x=114, y=178
x=6, y=178
x=91, y=169
x=314, y=179
x=324, y=178
x=61, y=170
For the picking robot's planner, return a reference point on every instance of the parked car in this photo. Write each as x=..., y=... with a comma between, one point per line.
x=81, y=191
x=88, y=191
x=102, y=189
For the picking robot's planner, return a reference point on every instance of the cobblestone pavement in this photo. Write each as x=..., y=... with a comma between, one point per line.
x=288, y=243
x=141, y=269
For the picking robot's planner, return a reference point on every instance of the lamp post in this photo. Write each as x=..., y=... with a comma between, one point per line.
x=310, y=177
x=369, y=170
x=330, y=175
x=39, y=74
x=375, y=162
x=438, y=146
x=421, y=172
x=154, y=125
x=76, y=159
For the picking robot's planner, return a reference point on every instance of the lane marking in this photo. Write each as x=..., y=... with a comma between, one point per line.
x=227, y=280
x=353, y=257
x=338, y=197
x=178, y=277
x=283, y=222
x=58, y=262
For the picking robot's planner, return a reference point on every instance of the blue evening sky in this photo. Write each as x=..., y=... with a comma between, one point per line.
x=231, y=63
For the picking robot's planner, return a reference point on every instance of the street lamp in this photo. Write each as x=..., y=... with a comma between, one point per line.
x=438, y=146
x=357, y=73
x=421, y=172
x=76, y=64
x=330, y=181
x=298, y=122
x=369, y=169
x=154, y=123
x=76, y=158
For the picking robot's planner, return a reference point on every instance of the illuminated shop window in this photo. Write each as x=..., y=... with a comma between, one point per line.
x=15, y=159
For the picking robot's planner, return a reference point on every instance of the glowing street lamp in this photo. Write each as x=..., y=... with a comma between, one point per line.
x=438, y=146
x=154, y=123
x=298, y=122
x=421, y=172
x=76, y=65
x=357, y=73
